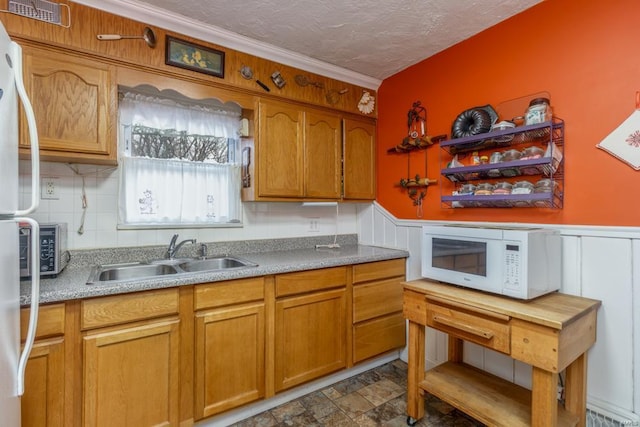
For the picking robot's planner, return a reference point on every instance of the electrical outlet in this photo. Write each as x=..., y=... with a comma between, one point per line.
x=49, y=188
x=314, y=225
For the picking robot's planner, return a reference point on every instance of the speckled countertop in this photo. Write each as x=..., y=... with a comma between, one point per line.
x=272, y=257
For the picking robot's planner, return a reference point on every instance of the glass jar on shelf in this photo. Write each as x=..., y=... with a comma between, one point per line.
x=502, y=189
x=484, y=189
x=510, y=156
x=496, y=157
x=522, y=187
x=464, y=190
x=545, y=185
x=539, y=111
x=531, y=153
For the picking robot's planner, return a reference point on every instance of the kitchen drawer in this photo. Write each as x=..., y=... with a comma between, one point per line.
x=309, y=281
x=377, y=336
x=219, y=294
x=376, y=299
x=113, y=310
x=378, y=270
x=488, y=329
x=50, y=321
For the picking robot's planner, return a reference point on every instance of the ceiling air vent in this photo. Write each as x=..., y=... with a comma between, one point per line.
x=42, y=10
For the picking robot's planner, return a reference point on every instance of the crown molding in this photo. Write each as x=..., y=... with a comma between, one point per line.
x=169, y=21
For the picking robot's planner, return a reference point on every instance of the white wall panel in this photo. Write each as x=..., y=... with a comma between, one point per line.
x=636, y=325
x=607, y=276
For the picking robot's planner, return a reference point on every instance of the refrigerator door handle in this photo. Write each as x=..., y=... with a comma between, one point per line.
x=35, y=301
x=33, y=131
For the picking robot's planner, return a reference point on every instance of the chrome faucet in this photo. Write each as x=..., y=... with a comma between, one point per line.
x=173, y=248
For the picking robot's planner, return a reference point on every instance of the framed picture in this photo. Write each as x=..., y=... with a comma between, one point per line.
x=193, y=57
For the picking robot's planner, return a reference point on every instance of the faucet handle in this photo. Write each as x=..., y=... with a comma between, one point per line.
x=203, y=250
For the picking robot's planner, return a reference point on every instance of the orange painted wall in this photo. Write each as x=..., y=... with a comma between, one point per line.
x=586, y=54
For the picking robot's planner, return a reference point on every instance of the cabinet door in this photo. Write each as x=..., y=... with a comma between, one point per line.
x=359, y=160
x=43, y=401
x=229, y=358
x=310, y=337
x=74, y=102
x=280, y=148
x=131, y=375
x=322, y=155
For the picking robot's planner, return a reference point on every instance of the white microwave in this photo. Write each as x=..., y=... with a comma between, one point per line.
x=517, y=262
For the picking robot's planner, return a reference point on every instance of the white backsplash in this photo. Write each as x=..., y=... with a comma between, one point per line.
x=261, y=220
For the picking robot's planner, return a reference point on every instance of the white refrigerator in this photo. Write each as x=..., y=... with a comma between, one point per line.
x=13, y=359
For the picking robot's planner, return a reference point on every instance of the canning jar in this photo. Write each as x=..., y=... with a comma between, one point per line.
x=502, y=189
x=509, y=156
x=545, y=185
x=531, y=153
x=484, y=189
x=539, y=111
x=466, y=190
x=522, y=187
x=496, y=157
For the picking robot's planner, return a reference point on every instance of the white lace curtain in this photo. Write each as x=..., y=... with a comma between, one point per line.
x=173, y=191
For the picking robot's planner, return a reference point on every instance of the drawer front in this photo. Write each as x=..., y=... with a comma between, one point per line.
x=379, y=270
x=219, y=294
x=105, y=311
x=483, y=328
x=376, y=299
x=312, y=280
x=50, y=321
x=378, y=336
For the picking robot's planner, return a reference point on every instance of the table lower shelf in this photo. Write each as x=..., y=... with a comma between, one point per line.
x=487, y=398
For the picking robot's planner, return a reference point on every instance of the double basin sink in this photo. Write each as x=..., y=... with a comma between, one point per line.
x=165, y=267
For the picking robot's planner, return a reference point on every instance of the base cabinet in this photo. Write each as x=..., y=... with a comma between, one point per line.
x=169, y=357
x=43, y=401
x=131, y=370
x=229, y=345
x=310, y=326
x=378, y=325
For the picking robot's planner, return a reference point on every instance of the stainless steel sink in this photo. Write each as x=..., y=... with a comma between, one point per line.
x=157, y=268
x=130, y=271
x=211, y=264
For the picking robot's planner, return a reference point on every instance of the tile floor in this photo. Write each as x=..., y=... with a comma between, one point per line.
x=371, y=399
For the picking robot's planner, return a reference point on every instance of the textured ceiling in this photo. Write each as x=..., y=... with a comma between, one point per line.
x=376, y=38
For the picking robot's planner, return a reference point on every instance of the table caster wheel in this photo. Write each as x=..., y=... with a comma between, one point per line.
x=411, y=422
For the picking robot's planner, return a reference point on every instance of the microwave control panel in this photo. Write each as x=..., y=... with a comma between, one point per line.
x=512, y=256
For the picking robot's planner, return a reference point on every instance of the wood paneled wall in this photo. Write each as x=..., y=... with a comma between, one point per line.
x=87, y=23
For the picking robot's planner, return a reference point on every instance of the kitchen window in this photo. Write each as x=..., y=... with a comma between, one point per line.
x=179, y=161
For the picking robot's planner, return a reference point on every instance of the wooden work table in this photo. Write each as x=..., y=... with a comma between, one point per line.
x=551, y=333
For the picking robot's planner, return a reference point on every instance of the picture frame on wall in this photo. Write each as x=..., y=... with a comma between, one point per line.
x=190, y=56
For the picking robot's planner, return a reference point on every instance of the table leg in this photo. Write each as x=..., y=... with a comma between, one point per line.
x=576, y=388
x=415, y=371
x=544, y=402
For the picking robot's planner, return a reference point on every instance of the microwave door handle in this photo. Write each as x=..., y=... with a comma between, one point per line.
x=16, y=51
x=35, y=301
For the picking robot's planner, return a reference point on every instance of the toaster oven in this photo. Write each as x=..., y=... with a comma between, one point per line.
x=53, y=250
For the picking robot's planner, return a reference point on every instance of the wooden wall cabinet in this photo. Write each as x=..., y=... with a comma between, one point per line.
x=75, y=104
x=229, y=345
x=359, y=157
x=298, y=153
x=131, y=348
x=378, y=324
x=310, y=325
x=43, y=403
